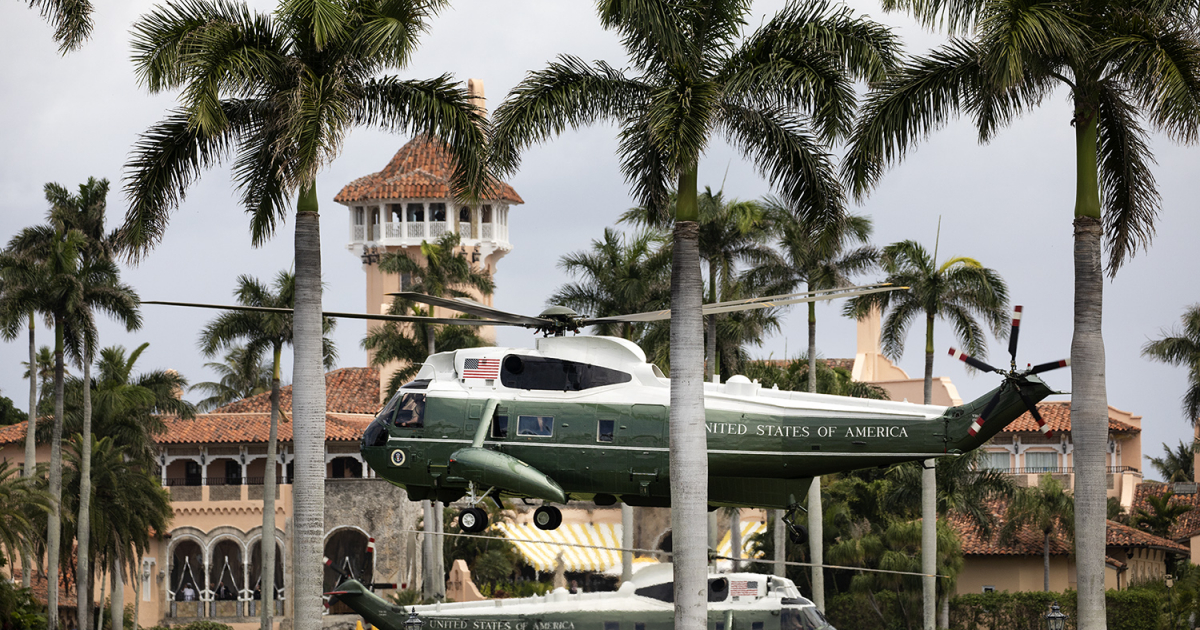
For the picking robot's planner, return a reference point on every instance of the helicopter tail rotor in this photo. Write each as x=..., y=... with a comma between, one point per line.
x=1012, y=377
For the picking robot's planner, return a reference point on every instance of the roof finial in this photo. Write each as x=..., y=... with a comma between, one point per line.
x=475, y=91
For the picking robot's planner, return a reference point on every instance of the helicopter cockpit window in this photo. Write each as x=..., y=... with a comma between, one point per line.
x=411, y=412
x=604, y=430
x=545, y=373
x=499, y=427
x=718, y=591
x=535, y=426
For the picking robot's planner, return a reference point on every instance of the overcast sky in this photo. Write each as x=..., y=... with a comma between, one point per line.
x=1008, y=204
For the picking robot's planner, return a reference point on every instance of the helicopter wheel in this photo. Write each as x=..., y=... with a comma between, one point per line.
x=798, y=534
x=547, y=517
x=472, y=520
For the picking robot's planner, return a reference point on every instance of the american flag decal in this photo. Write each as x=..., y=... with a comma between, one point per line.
x=743, y=589
x=481, y=368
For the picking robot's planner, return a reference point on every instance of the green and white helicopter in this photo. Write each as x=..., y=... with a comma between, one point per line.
x=585, y=418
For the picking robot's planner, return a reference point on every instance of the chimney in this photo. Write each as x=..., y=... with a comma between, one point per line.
x=475, y=91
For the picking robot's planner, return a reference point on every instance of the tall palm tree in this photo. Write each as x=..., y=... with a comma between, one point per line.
x=1182, y=348
x=406, y=343
x=71, y=19
x=263, y=332
x=85, y=212
x=1120, y=62
x=446, y=272
x=19, y=497
x=1178, y=464
x=816, y=255
x=1048, y=508
x=779, y=95
x=959, y=290
x=62, y=280
x=239, y=378
x=619, y=274
x=279, y=92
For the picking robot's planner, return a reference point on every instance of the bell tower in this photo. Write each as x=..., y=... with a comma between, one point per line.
x=409, y=202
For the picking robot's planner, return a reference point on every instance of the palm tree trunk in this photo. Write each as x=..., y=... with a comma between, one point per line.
x=816, y=533
x=100, y=607
x=780, y=541
x=137, y=593
x=688, y=439
x=118, y=596
x=816, y=543
x=54, y=522
x=710, y=339
x=1046, y=563
x=83, y=528
x=929, y=502
x=308, y=416
x=427, y=549
x=267, y=541
x=626, y=542
x=30, y=446
x=439, y=550
x=430, y=340
x=735, y=538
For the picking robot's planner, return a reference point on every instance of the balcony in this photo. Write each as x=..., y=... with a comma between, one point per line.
x=1122, y=480
x=408, y=224
x=219, y=488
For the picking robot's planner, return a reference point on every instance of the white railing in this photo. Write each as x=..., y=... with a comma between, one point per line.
x=394, y=230
x=359, y=231
x=416, y=230
x=437, y=228
x=486, y=233
x=464, y=231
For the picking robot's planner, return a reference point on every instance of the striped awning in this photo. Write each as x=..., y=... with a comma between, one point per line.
x=749, y=528
x=543, y=554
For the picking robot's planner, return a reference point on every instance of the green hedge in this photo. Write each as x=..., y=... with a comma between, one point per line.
x=1135, y=609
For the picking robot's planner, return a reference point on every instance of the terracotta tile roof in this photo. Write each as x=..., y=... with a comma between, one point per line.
x=14, y=433
x=1057, y=414
x=347, y=390
x=1188, y=524
x=1029, y=540
x=420, y=170
x=66, y=590
x=241, y=428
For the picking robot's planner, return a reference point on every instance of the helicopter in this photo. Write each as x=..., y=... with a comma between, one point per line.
x=585, y=418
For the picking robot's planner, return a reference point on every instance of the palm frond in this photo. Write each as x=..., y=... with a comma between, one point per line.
x=71, y=19
x=1131, y=199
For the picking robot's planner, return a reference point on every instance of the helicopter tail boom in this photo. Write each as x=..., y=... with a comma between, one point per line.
x=971, y=425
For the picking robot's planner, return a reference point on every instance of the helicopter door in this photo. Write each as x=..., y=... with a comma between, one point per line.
x=645, y=427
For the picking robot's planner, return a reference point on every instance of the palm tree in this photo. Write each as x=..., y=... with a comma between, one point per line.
x=620, y=274
x=1048, y=508
x=959, y=290
x=263, y=332
x=85, y=212
x=1182, y=348
x=280, y=92
x=60, y=277
x=446, y=272
x=71, y=19
x=779, y=95
x=406, y=344
x=1177, y=464
x=131, y=506
x=1161, y=516
x=1121, y=61
x=19, y=497
x=239, y=379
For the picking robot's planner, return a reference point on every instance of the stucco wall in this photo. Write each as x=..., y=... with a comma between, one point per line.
x=382, y=511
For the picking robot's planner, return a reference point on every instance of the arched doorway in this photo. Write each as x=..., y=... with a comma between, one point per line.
x=345, y=468
x=226, y=578
x=187, y=579
x=256, y=577
x=347, y=551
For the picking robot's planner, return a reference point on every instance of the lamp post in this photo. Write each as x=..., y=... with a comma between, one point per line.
x=1171, y=598
x=413, y=622
x=1055, y=619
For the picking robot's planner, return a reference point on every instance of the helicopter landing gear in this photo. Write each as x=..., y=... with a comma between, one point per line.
x=798, y=534
x=472, y=520
x=547, y=517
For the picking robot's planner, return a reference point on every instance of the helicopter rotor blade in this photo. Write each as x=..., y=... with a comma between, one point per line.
x=471, y=307
x=748, y=304
x=1052, y=365
x=1012, y=336
x=1045, y=428
x=971, y=361
x=987, y=411
x=418, y=319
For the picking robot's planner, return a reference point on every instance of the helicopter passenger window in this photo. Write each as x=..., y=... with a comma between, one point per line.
x=411, y=413
x=499, y=427
x=604, y=430
x=535, y=426
x=545, y=373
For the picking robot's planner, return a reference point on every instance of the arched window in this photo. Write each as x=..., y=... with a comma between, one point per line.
x=345, y=468
x=464, y=214
x=256, y=577
x=347, y=552
x=226, y=578
x=187, y=579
